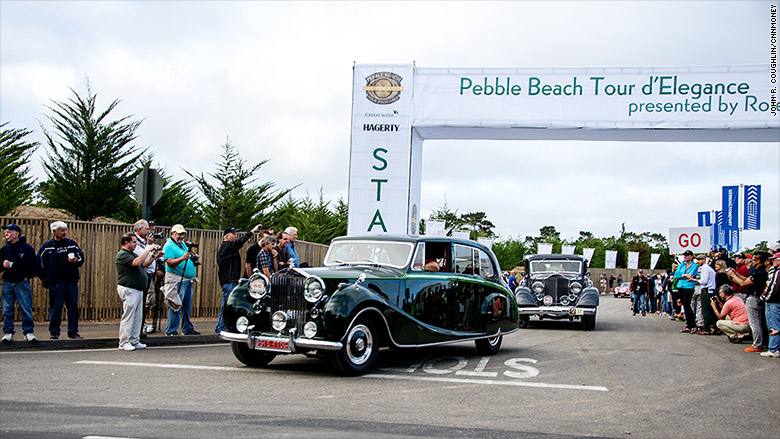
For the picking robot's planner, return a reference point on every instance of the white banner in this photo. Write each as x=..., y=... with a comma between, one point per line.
x=587, y=253
x=610, y=259
x=695, y=239
x=434, y=228
x=635, y=98
x=544, y=248
x=633, y=260
x=460, y=234
x=654, y=260
x=567, y=249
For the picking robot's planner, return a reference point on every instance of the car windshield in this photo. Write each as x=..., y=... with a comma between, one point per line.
x=393, y=254
x=625, y=285
x=551, y=266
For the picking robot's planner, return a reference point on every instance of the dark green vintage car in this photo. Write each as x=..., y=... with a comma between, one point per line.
x=375, y=291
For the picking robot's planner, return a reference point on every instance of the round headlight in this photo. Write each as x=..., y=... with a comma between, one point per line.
x=313, y=287
x=241, y=324
x=575, y=287
x=564, y=300
x=538, y=287
x=279, y=320
x=258, y=286
x=310, y=330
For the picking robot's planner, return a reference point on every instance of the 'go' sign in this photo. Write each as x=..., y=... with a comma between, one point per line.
x=695, y=239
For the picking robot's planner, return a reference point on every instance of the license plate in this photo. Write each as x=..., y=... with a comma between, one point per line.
x=579, y=311
x=272, y=344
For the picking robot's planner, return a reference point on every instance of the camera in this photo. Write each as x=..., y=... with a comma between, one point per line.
x=157, y=235
x=193, y=257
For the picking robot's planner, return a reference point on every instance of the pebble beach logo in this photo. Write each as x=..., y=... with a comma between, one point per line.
x=383, y=88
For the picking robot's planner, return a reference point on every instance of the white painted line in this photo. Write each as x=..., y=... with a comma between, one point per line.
x=163, y=366
x=489, y=382
x=106, y=437
x=383, y=376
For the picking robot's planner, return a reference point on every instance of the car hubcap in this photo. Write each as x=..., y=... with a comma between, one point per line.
x=360, y=344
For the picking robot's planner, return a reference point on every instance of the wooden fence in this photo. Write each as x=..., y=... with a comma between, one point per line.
x=98, y=299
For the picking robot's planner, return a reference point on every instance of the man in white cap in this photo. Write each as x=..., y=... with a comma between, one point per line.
x=60, y=259
x=180, y=269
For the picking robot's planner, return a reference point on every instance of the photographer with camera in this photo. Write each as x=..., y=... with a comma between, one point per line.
x=132, y=279
x=229, y=265
x=733, y=308
x=144, y=238
x=180, y=269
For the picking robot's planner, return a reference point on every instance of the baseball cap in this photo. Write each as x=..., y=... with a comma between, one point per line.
x=739, y=255
x=13, y=227
x=775, y=256
x=687, y=253
x=230, y=230
x=178, y=228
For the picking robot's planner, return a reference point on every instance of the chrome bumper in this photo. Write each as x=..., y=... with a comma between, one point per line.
x=293, y=342
x=558, y=310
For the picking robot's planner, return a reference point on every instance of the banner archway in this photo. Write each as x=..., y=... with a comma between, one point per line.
x=396, y=107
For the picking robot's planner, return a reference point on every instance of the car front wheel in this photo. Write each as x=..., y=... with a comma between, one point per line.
x=360, y=350
x=589, y=322
x=251, y=357
x=488, y=346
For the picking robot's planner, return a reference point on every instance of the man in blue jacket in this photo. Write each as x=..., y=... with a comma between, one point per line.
x=19, y=265
x=60, y=259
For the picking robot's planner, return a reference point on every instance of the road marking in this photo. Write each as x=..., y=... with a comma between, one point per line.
x=383, y=376
x=488, y=382
x=163, y=366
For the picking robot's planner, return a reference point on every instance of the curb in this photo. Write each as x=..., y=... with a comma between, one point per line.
x=106, y=343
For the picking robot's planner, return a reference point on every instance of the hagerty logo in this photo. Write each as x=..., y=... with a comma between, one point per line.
x=383, y=88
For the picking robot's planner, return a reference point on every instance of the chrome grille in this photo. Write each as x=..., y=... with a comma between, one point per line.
x=557, y=287
x=287, y=296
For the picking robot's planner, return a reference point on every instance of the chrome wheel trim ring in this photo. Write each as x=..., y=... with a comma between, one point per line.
x=360, y=344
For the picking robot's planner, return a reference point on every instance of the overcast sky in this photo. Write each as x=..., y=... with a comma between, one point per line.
x=276, y=79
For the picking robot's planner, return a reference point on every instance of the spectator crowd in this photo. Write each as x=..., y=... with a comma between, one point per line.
x=715, y=294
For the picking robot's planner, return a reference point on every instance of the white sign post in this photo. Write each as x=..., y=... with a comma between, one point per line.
x=695, y=239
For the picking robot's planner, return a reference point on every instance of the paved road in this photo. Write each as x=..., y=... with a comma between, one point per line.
x=632, y=377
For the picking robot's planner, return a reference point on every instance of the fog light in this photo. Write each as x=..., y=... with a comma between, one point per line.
x=310, y=330
x=279, y=320
x=241, y=324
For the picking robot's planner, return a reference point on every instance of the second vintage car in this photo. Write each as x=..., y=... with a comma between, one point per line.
x=623, y=290
x=557, y=287
x=373, y=291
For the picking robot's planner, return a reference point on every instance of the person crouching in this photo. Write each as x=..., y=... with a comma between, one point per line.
x=733, y=308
